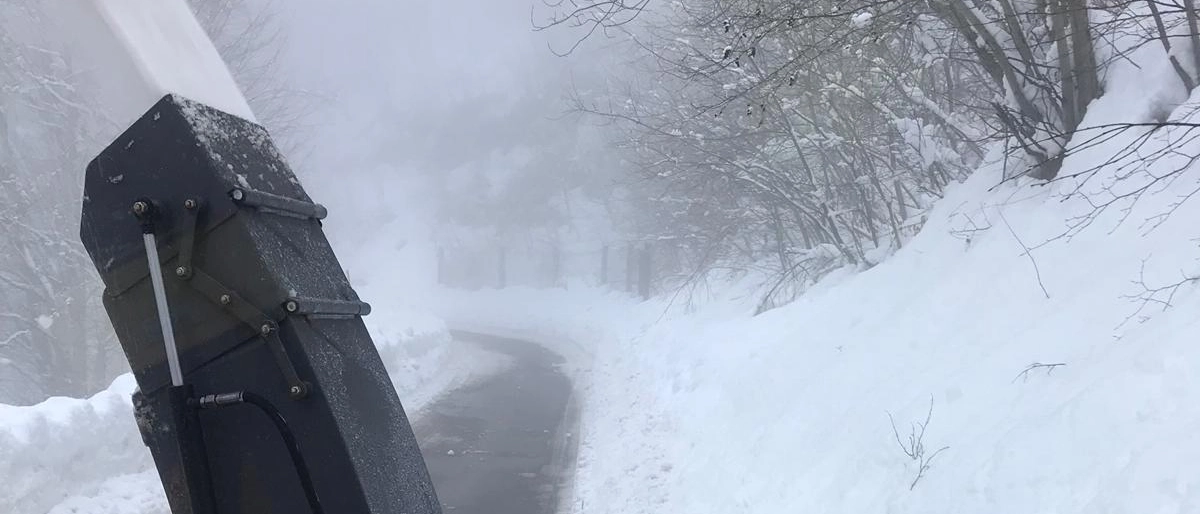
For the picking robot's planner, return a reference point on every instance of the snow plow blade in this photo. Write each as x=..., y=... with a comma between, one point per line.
x=261, y=390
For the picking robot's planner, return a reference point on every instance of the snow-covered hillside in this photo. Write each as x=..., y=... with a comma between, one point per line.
x=1055, y=372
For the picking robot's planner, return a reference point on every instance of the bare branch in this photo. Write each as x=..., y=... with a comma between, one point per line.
x=914, y=447
x=1024, y=374
x=1027, y=252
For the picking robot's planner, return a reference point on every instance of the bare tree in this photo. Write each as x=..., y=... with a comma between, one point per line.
x=765, y=130
x=913, y=445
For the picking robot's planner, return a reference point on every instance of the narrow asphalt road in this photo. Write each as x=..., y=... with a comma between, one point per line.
x=502, y=445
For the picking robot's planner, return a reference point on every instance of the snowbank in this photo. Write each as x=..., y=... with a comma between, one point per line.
x=65, y=446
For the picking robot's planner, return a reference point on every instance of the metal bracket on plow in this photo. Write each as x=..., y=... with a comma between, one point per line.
x=320, y=308
x=230, y=302
x=279, y=204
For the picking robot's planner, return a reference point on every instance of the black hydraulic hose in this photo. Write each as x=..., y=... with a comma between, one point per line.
x=285, y=432
x=293, y=447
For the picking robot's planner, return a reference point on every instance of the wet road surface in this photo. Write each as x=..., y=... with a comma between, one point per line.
x=502, y=445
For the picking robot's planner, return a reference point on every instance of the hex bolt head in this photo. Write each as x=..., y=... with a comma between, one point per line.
x=139, y=207
x=238, y=195
x=189, y=204
x=225, y=299
x=265, y=329
x=181, y=271
x=295, y=390
x=291, y=306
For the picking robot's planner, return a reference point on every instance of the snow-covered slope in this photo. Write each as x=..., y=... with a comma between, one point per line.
x=708, y=409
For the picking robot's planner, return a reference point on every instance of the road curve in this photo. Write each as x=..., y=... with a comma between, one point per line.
x=502, y=445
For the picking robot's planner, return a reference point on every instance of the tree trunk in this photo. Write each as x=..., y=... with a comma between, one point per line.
x=1193, y=32
x=1059, y=22
x=972, y=27
x=1087, y=74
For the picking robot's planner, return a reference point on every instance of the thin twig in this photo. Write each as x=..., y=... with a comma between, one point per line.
x=914, y=449
x=1024, y=374
x=1028, y=253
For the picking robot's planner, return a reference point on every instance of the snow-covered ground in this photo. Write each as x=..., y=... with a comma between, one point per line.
x=67, y=446
x=699, y=406
x=710, y=409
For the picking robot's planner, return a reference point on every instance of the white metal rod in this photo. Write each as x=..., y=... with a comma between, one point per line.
x=164, y=314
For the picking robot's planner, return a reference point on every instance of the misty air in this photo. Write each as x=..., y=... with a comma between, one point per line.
x=588, y=257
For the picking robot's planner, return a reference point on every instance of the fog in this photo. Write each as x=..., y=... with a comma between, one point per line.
x=442, y=120
x=733, y=255
x=421, y=89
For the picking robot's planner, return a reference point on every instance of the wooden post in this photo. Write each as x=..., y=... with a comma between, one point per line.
x=502, y=269
x=604, y=265
x=630, y=266
x=645, y=272
x=556, y=266
x=441, y=266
